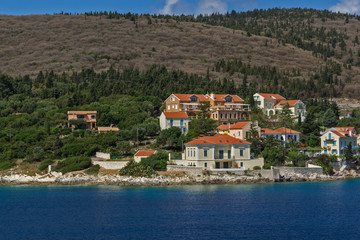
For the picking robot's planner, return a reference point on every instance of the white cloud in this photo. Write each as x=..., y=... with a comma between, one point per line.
x=211, y=6
x=346, y=6
x=168, y=8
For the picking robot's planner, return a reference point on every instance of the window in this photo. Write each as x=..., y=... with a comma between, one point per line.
x=225, y=115
x=295, y=138
x=239, y=133
x=229, y=154
x=182, y=122
x=193, y=99
x=93, y=116
x=230, y=115
x=221, y=116
x=234, y=115
x=241, y=164
x=248, y=135
x=168, y=106
x=329, y=137
x=341, y=144
x=171, y=122
x=80, y=116
x=205, y=164
x=266, y=104
x=325, y=151
x=221, y=154
x=334, y=143
x=205, y=153
x=176, y=106
x=228, y=99
x=325, y=143
x=241, y=152
x=345, y=144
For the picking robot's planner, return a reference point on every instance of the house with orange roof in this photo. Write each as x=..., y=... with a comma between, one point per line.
x=272, y=104
x=141, y=154
x=283, y=134
x=175, y=119
x=88, y=116
x=223, y=107
x=334, y=141
x=220, y=152
x=240, y=130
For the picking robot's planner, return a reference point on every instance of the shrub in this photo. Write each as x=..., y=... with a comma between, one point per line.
x=6, y=165
x=44, y=164
x=93, y=170
x=135, y=169
x=157, y=161
x=257, y=168
x=73, y=164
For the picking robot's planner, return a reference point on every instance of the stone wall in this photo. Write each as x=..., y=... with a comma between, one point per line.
x=103, y=155
x=192, y=171
x=289, y=171
x=265, y=173
x=111, y=164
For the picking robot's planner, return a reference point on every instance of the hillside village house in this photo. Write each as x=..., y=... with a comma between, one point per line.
x=240, y=130
x=283, y=134
x=175, y=119
x=223, y=107
x=220, y=152
x=272, y=104
x=334, y=141
x=88, y=116
x=141, y=154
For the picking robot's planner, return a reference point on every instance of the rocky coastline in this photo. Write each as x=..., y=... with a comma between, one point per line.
x=55, y=178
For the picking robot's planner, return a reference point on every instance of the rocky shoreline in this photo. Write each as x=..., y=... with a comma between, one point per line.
x=84, y=179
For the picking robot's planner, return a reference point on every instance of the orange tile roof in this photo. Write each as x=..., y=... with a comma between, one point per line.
x=145, y=153
x=270, y=95
x=278, y=131
x=175, y=114
x=216, y=139
x=239, y=125
x=107, y=129
x=186, y=97
x=221, y=97
x=290, y=102
x=338, y=133
x=81, y=112
x=343, y=131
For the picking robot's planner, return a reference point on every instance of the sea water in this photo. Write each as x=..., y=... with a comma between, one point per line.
x=318, y=210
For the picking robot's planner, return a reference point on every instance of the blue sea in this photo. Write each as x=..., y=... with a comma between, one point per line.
x=319, y=210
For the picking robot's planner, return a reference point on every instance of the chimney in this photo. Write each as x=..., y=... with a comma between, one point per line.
x=212, y=95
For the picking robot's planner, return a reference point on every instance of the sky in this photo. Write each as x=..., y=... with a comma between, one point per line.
x=25, y=7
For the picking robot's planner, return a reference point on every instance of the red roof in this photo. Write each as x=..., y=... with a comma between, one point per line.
x=144, y=153
x=221, y=97
x=270, y=95
x=281, y=130
x=239, y=125
x=186, y=97
x=216, y=139
x=343, y=131
x=338, y=133
x=290, y=102
x=175, y=114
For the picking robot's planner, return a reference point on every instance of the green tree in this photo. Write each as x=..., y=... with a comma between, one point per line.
x=157, y=161
x=199, y=127
x=329, y=118
x=349, y=155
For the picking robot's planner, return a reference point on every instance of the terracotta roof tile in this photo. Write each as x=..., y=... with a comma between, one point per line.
x=186, y=97
x=278, y=131
x=216, y=139
x=271, y=95
x=239, y=125
x=221, y=97
x=144, y=153
x=290, y=102
x=81, y=112
x=175, y=114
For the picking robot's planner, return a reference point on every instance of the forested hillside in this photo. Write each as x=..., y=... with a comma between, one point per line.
x=305, y=49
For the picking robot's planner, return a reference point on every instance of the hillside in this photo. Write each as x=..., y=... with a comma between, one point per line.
x=298, y=43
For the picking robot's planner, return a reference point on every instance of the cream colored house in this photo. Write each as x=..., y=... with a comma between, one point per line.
x=272, y=104
x=334, y=141
x=220, y=152
x=175, y=119
x=143, y=154
x=283, y=134
x=240, y=130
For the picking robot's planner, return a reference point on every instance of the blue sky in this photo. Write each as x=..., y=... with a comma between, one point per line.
x=22, y=7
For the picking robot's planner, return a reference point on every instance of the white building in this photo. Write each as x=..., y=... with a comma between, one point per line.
x=175, y=119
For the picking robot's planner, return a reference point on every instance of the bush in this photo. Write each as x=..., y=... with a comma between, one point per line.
x=6, y=165
x=135, y=169
x=157, y=161
x=73, y=164
x=44, y=164
x=257, y=168
x=93, y=170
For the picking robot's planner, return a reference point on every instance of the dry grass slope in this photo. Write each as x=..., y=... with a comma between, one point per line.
x=69, y=43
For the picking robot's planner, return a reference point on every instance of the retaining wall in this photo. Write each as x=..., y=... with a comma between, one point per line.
x=288, y=171
x=111, y=164
x=193, y=171
x=103, y=155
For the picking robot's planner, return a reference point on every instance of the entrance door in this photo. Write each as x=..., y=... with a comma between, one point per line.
x=225, y=165
x=217, y=165
x=221, y=154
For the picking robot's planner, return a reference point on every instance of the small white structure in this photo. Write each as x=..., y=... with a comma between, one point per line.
x=143, y=154
x=175, y=119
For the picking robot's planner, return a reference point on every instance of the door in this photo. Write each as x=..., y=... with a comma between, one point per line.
x=217, y=165
x=225, y=165
x=221, y=154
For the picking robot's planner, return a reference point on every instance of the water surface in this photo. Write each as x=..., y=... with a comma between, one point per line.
x=320, y=210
